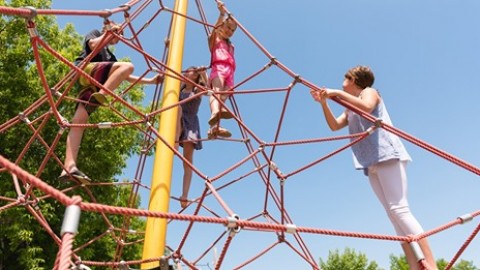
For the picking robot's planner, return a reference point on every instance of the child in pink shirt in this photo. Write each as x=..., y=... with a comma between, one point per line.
x=223, y=69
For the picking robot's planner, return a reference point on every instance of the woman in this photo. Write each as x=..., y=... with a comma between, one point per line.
x=381, y=155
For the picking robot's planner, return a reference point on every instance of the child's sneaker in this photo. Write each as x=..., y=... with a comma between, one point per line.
x=98, y=98
x=76, y=174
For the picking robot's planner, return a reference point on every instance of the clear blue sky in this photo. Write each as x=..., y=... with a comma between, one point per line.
x=425, y=58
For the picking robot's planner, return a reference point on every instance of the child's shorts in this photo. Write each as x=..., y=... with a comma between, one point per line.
x=224, y=71
x=99, y=71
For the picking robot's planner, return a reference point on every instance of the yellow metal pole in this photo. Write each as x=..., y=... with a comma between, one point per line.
x=156, y=230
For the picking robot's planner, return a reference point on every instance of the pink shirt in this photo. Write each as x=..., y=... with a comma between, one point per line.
x=223, y=53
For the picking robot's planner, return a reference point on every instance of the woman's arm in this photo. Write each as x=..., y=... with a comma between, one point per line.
x=335, y=123
x=367, y=101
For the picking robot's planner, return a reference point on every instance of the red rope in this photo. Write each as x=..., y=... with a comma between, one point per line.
x=257, y=155
x=416, y=141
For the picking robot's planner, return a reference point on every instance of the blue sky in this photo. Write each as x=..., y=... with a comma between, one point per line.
x=425, y=58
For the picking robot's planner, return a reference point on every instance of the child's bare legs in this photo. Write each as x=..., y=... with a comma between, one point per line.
x=188, y=148
x=427, y=253
x=215, y=108
x=75, y=137
x=217, y=85
x=119, y=72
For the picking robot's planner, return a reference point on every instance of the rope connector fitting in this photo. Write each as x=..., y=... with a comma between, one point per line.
x=22, y=117
x=371, y=129
x=63, y=124
x=290, y=228
x=273, y=166
x=232, y=224
x=71, y=220
x=128, y=7
x=55, y=92
x=82, y=267
x=273, y=61
x=108, y=14
x=466, y=218
x=209, y=92
x=378, y=123
x=33, y=13
x=298, y=78
x=22, y=200
x=105, y=125
x=123, y=265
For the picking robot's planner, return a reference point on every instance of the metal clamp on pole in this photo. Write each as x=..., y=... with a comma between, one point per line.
x=71, y=220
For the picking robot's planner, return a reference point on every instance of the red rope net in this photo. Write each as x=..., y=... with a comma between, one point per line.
x=212, y=204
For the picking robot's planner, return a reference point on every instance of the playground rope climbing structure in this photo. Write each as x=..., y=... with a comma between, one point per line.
x=211, y=208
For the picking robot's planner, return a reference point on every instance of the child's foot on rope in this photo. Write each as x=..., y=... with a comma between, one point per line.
x=95, y=100
x=98, y=98
x=214, y=118
x=223, y=114
x=218, y=131
x=184, y=202
x=76, y=174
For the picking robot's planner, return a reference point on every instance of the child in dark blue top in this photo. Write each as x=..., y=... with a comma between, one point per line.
x=105, y=69
x=188, y=126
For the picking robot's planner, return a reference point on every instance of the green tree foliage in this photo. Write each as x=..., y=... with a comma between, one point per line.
x=465, y=265
x=400, y=263
x=24, y=243
x=348, y=260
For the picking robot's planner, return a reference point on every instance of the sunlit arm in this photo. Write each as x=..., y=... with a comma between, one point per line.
x=220, y=20
x=335, y=123
x=367, y=101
